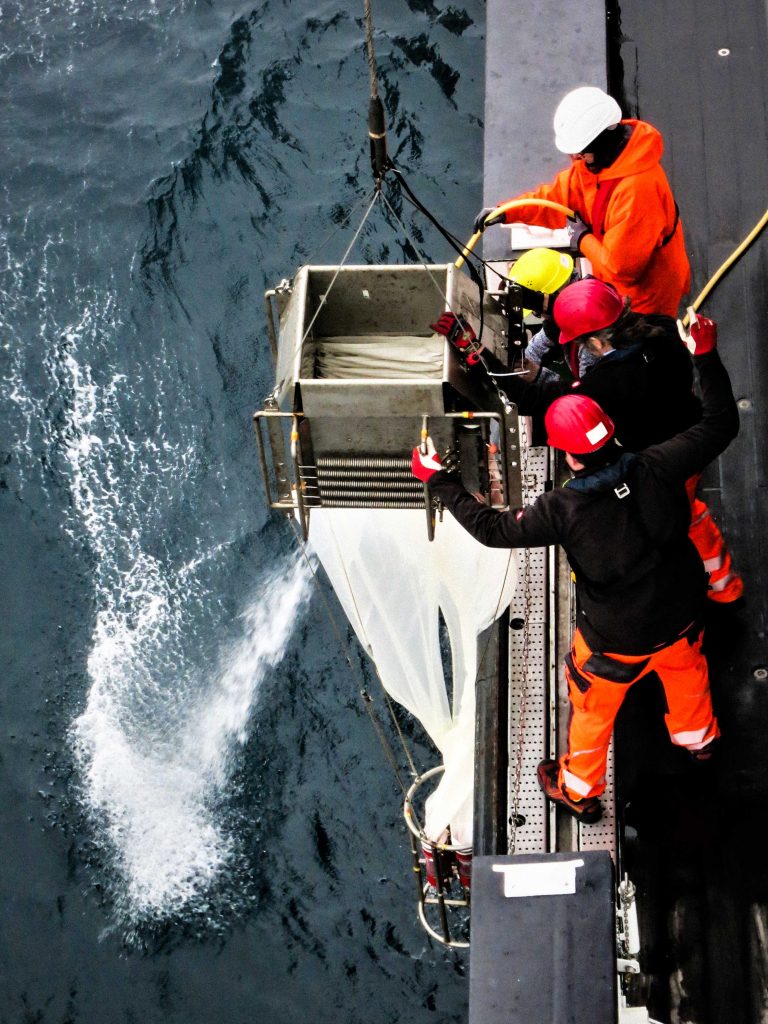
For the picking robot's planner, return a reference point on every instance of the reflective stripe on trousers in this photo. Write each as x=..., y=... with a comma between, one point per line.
x=596, y=699
x=725, y=584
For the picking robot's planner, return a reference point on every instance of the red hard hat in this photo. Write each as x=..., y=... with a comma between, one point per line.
x=585, y=307
x=577, y=424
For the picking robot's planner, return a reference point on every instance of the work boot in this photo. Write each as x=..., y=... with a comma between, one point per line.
x=704, y=754
x=588, y=810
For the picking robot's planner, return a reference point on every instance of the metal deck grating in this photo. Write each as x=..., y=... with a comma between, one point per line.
x=528, y=647
x=532, y=715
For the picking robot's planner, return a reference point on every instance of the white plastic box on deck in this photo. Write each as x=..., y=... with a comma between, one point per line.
x=359, y=375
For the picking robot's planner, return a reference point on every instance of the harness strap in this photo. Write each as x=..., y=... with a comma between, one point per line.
x=668, y=238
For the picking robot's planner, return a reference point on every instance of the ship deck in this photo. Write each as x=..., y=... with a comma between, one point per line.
x=689, y=833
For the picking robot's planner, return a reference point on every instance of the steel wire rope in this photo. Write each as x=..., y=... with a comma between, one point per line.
x=338, y=269
x=369, y=649
x=344, y=221
x=445, y=299
x=321, y=245
x=422, y=262
x=452, y=240
x=417, y=204
x=369, y=50
x=324, y=297
x=365, y=696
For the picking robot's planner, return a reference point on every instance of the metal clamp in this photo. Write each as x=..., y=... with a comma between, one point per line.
x=293, y=498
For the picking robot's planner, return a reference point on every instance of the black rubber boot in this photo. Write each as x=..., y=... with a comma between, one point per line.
x=704, y=755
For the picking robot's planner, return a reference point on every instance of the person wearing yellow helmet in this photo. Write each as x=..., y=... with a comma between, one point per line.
x=544, y=272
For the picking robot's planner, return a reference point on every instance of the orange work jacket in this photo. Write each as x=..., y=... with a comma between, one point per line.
x=638, y=247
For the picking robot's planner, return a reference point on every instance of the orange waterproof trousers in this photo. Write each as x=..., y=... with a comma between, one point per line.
x=597, y=685
x=725, y=584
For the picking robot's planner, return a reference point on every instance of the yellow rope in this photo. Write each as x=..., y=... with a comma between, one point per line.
x=511, y=205
x=725, y=267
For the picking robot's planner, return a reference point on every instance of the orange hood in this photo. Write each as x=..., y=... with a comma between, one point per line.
x=642, y=152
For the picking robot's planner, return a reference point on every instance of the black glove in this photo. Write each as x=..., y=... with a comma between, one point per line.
x=480, y=222
x=576, y=229
x=460, y=335
x=521, y=297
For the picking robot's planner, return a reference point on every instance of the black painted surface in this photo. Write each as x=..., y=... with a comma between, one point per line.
x=491, y=730
x=543, y=957
x=692, y=838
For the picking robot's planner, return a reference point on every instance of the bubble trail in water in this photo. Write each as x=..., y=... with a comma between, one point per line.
x=172, y=680
x=158, y=800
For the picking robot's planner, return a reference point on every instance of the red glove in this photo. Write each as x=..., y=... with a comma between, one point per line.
x=702, y=334
x=460, y=335
x=424, y=465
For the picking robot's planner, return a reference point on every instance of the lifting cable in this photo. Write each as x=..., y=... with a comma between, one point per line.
x=488, y=371
x=377, y=132
x=380, y=164
x=373, y=197
x=366, y=698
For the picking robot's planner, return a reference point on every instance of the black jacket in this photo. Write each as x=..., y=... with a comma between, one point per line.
x=646, y=389
x=639, y=579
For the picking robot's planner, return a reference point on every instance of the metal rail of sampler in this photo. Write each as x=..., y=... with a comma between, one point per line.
x=360, y=374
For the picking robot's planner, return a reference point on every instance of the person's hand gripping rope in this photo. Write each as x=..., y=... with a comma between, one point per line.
x=425, y=461
x=700, y=336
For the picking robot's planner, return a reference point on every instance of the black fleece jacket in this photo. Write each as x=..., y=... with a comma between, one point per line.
x=639, y=580
x=646, y=388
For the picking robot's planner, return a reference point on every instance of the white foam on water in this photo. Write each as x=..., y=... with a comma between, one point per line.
x=169, y=704
x=158, y=799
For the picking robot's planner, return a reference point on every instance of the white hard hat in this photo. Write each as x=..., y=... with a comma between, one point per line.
x=581, y=116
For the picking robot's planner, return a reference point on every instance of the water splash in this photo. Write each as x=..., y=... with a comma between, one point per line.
x=173, y=673
x=158, y=798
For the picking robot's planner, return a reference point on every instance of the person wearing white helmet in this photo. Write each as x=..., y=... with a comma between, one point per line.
x=626, y=222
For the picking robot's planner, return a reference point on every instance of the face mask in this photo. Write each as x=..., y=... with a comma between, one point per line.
x=606, y=147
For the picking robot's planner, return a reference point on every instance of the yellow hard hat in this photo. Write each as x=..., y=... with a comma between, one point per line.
x=542, y=270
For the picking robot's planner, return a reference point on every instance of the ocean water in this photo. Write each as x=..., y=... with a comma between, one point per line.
x=197, y=823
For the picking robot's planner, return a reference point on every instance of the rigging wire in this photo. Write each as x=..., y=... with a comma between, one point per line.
x=343, y=646
x=370, y=53
x=344, y=220
x=451, y=239
x=324, y=298
x=489, y=373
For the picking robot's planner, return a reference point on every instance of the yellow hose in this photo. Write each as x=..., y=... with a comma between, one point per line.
x=502, y=208
x=725, y=267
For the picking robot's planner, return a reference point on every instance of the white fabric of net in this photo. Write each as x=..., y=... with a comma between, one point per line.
x=392, y=582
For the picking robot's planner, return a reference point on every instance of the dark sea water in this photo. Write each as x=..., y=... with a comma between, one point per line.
x=197, y=823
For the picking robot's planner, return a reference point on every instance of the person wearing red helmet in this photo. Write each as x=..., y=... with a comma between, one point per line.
x=627, y=222
x=640, y=584
x=643, y=378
